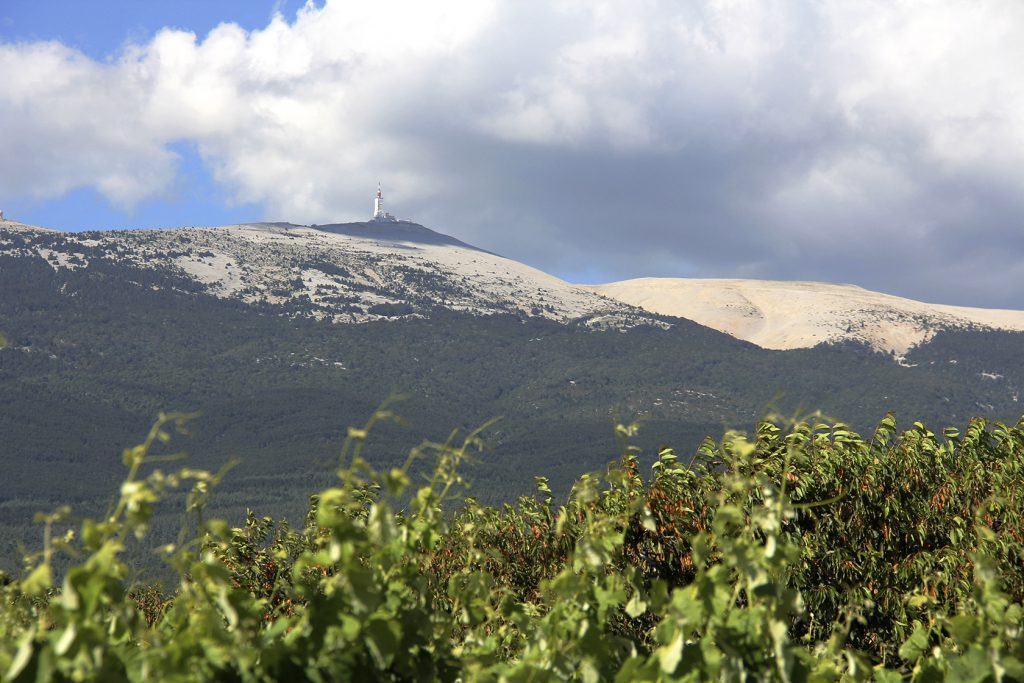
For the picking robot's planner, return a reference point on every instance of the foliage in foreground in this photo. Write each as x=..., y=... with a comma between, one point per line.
x=806, y=554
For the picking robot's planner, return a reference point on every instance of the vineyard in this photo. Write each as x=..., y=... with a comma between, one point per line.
x=797, y=552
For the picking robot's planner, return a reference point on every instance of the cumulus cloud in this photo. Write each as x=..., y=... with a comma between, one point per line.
x=876, y=142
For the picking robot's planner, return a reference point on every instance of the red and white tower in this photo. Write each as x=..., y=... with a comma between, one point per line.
x=378, y=205
x=379, y=214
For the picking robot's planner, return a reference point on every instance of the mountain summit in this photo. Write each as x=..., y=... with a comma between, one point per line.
x=390, y=268
x=392, y=231
x=792, y=315
x=344, y=272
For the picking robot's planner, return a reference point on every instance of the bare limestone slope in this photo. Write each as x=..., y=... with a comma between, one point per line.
x=357, y=272
x=346, y=273
x=790, y=315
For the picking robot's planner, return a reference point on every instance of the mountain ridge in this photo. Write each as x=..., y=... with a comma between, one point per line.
x=782, y=314
x=370, y=270
x=353, y=272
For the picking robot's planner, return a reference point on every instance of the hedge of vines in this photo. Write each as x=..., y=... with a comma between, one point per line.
x=805, y=553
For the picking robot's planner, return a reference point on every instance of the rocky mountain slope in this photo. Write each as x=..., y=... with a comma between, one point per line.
x=352, y=272
x=791, y=315
x=359, y=272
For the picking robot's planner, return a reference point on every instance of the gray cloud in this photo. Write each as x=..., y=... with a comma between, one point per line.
x=876, y=143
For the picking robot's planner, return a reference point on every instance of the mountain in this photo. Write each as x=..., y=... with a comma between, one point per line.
x=350, y=272
x=250, y=326
x=358, y=272
x=793, y=315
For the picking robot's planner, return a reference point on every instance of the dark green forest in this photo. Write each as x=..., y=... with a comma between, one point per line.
x=92, y=355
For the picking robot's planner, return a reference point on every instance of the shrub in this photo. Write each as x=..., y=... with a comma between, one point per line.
x=391, y=310
x=802, y=554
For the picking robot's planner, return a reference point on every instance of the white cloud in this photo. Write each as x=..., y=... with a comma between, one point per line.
x=782, y=123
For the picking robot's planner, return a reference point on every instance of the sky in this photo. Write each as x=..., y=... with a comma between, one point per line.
x=871, y=142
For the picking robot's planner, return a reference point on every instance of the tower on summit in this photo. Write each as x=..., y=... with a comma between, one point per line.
x=379, y=214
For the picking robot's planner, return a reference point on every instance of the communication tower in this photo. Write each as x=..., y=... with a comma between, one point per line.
x=379, y=214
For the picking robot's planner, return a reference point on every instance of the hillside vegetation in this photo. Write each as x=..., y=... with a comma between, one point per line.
x=804, y=553
x=95, y=353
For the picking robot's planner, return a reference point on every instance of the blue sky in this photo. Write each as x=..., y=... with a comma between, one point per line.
x=101, y=29
x=876, y=143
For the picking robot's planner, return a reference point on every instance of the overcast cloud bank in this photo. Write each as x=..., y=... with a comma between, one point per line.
x=877, y=143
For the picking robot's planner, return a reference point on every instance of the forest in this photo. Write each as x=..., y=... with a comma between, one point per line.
x=93, y=355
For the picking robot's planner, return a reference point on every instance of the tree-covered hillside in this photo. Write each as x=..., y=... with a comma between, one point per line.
x=93, y=354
